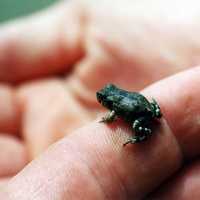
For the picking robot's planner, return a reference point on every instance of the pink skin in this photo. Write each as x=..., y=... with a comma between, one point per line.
x=184, y=186
x=13, y=155
x=103, y=42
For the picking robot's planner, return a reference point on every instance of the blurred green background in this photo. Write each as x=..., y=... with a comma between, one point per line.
x=14, y=8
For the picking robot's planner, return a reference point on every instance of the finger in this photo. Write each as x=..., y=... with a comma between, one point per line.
x=49, y=113
x=13, y=156
x=46, y=43
x=94, y=157
x=184, y=186
x=10, y=111
x=120, y=44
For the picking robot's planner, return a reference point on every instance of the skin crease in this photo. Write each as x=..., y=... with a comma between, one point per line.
x=94, y=39
x=10, y=115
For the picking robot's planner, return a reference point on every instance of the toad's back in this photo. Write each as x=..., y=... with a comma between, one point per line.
x=127, y=105
x=130, y=105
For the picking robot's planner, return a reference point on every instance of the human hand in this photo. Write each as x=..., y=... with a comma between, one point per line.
x=92, y=44
x=91, y=163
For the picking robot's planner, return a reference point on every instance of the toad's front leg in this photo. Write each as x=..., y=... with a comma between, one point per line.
x=110, y=117
x=142, y=132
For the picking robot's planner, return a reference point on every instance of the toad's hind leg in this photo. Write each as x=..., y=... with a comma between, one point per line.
x=142, y=132
x=110, y=117
x=140, y=127
x=156, y=109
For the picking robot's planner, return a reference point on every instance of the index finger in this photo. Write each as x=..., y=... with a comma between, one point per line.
x=92, y=164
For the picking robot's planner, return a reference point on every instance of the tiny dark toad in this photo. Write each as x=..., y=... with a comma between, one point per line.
x=132, y=107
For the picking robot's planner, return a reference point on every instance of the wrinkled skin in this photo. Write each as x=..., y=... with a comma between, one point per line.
x=129, y=43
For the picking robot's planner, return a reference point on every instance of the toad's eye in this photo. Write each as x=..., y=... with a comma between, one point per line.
x=108, y=101
x=99, y=97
